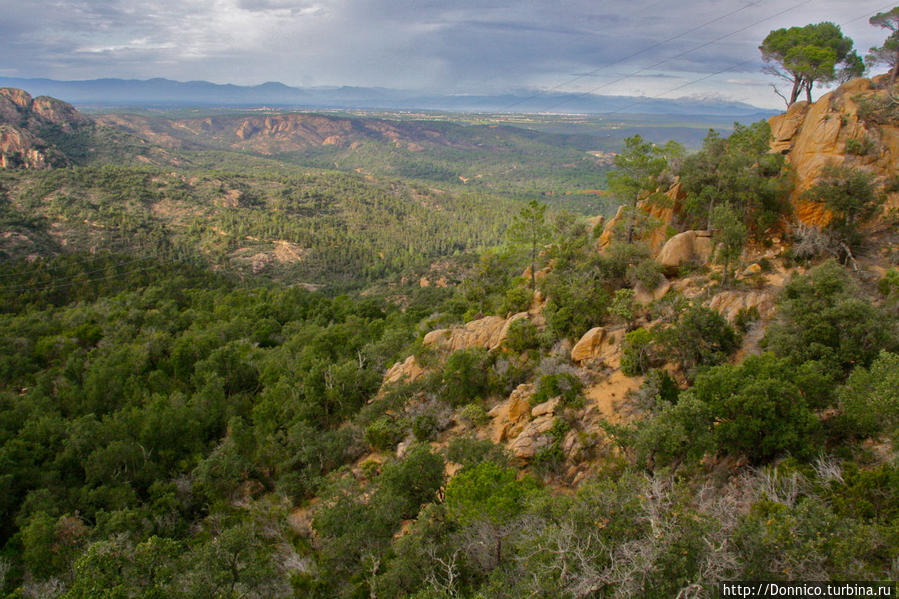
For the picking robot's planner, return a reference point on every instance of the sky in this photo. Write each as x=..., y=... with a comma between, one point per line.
x=659, y=48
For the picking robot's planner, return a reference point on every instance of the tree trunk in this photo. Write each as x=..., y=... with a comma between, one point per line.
x=797, y=87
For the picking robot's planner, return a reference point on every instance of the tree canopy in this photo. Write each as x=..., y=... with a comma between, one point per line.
x=815, y=53
x=888, y=52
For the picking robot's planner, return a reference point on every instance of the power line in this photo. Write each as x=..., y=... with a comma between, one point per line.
x=703, y=78
x=679, y=55
x=635, y=54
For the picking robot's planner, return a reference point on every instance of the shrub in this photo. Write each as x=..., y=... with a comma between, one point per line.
x=474, y=414
x=647, y=272
x=384, y=433
x=564, y=385
x=470, y=451
x=521, y=336
x=465, y=376
x=859, y=147
x=700, y=337
x=870, y=399
x=821, y=317
x=636, y=352
x=761, y=408
x=424, y=427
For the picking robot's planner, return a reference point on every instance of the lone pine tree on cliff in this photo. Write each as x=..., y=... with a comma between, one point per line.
x=888, y=52
x=803, y=56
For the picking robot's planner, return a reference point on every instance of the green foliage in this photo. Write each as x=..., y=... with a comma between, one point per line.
x=850, y=196
x=762, y=407
x=469, y=451
x=465, y=376
x=740, y=172
x=416, y=479
x=486, y=492
x=384, y=433
x=869, y=401
x=564, y=385
x=859, y=147
x=639, y=167
x=803, y=56
x=636, y=352
x=623, y=306
x=700, y=337
x=522, y=336
x=888, y=52
x=530, y=231
x=822, y=317
x=730, y=236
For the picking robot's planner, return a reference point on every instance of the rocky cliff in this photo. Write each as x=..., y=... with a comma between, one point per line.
x=856, y=125
x=22, y=121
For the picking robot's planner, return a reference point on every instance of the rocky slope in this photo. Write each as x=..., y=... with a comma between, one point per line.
x=275, y=133
x=23, y=121
x=853, y=125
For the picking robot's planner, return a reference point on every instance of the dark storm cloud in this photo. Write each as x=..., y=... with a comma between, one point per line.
x=443, y=45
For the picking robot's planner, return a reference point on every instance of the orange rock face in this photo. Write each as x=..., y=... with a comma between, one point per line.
x=816, y=135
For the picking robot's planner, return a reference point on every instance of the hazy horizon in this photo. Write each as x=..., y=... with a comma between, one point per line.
x=698, y=49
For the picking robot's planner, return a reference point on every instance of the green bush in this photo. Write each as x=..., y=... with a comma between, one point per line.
x=869, y=402
x=762, y=408
x=822, y=317
x=564, y=385
x=521, y=336
x=384, y=433
x=636, y=352
x=700, y=337
x=465, y=376
x=424, y=427
x=859, y=147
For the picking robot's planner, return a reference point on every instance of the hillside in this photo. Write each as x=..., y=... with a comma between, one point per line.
x=700, y=388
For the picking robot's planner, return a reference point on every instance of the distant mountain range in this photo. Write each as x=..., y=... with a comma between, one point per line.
x=168, y=93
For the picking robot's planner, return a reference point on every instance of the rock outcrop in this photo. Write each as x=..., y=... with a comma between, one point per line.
x=488, y=332
x=685, y=248
x=815, y=135
x=407, y=371
x=597, y=343
x=729, y=303
x=21, y=116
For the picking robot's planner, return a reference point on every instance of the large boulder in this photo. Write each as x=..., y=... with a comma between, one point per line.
x=406, y=371
x=689, y=247
x=596, y=343
x=729, y=303
x=488, y=332
x=534, y=437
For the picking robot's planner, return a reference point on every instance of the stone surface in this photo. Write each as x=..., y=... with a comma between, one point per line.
x=548, y=407
x=532, y=438
x=729, y=303
x=684, y=248
x=406, y=371
x=488, y=332
x=596, y=343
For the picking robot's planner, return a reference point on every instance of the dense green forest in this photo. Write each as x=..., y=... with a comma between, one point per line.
x=183, y=414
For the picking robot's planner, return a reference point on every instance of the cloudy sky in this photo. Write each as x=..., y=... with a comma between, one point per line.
x=663, y=48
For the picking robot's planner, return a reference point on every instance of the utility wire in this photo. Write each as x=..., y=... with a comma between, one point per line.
x=635, y=54
x=678, y=55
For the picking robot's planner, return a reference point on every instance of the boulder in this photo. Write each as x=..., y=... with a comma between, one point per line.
x=644, y=296
x=519, y=402
x=407, y=371
x=684, y=248
x=546, y=408
x=597, y=342
x=729, y=303
x=488, y=332
x=532, y=438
